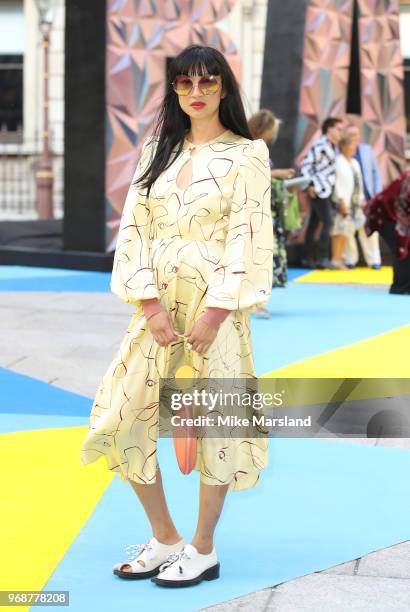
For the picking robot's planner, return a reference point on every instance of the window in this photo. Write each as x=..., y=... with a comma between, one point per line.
x=11, y=68
x=11, y=92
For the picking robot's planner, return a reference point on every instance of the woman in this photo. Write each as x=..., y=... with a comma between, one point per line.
x=264, y=124
x=194, y=255
x=349, y=200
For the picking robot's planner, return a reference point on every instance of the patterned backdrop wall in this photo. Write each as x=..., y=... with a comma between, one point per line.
x=325, y=76
x=141, y=36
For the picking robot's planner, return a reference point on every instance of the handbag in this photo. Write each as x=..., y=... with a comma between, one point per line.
x=185, y=443
x=185, y=446
x=286, y=204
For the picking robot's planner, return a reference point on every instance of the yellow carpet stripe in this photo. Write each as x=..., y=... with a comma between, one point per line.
x=383, y=356
x=366, y=276
x=47, y=497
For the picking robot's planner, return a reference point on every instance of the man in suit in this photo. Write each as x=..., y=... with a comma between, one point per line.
x=319, y=166
x=372, y=184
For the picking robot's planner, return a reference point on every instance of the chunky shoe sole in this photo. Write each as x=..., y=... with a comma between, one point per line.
x=136, y=575
x=209, y=574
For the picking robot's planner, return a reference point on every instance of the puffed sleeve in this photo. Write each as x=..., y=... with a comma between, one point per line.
x=132, y=276
x=242, y=279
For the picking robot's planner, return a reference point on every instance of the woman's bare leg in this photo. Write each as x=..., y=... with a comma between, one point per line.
x=152, y=497
x=338, y=244
x=211, y=501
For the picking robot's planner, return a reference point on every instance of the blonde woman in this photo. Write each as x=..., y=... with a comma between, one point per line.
x=264, y=124
x=348, y=198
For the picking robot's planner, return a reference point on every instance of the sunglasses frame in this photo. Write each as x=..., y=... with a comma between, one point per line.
x=192, y=87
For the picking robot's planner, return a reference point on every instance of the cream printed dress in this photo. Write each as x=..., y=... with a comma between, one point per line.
x=207, y=244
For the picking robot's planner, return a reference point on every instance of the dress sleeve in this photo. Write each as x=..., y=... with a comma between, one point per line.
x=132, y=276
x=242, y=279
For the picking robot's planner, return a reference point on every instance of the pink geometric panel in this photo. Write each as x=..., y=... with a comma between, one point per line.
x=382, y=84
x=141, y=34
x=326, y=71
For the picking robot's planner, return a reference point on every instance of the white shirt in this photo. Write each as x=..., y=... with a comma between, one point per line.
x=344, y=179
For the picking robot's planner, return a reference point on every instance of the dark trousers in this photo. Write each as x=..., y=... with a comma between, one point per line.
x=401, y=267
x=320, y=211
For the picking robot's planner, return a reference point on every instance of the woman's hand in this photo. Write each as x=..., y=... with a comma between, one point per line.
x=201, y=335
x=162, y=328
x=343, y=209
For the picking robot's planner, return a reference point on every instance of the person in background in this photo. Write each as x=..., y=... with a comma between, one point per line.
x=348, y=198
x=319, y=165
x=372, y=184
x=388, y=213
x=264, y=124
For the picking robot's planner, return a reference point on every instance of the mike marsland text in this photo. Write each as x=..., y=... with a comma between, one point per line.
x=235, y=421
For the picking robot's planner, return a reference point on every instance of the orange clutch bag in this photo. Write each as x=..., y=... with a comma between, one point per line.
x=185, y=441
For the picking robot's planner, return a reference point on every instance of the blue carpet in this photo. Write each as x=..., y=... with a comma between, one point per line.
x=30, y=278
x=320, y=503
x=296, y=272
x=25, y=395
x=26, y=422
x=309, y=319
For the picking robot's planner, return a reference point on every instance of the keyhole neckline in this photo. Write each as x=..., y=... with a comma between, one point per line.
x=190, y=145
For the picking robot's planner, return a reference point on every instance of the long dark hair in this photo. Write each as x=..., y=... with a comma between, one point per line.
x=172, y=122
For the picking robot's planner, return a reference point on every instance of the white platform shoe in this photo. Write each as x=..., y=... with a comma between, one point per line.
x=146, y=559
x=188, y=567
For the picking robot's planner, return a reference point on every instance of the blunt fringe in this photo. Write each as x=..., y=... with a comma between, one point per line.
x=172, y=122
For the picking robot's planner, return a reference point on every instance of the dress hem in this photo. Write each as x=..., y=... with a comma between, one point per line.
x=236, y=487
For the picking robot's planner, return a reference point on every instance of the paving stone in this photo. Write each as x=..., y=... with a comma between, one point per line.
x=344, y=569
x=37, y=343
x=394, y=443
x=331, y=593
x=392, y=562
x=78, y=376
x=362, y=441
x=82, y=387
x=254, y=601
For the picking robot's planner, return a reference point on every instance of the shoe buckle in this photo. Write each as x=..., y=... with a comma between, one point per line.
x=172, y=557
x=134, y=550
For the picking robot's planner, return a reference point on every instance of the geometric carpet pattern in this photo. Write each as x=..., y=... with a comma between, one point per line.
x=64, y=524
